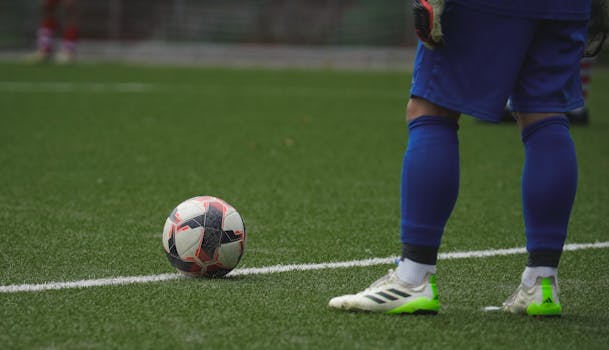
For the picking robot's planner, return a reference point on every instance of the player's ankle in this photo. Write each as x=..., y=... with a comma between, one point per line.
x=414, y=273
x=531, y=274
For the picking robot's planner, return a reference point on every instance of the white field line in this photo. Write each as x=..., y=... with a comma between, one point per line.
x=61, y=87
x=16, y=288
x=137, y=87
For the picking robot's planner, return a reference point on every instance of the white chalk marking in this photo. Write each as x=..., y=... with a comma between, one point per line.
x=138, y=87
x=61, y=87
x=492, y=308
x=113, y=281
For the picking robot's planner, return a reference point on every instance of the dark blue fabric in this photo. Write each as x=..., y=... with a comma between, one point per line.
x=535, y=9
x=549, y=182
x=487, y=58
x=430, y=179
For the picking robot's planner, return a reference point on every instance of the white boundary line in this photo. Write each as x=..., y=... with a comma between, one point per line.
x=16, y=288
x=60, y=86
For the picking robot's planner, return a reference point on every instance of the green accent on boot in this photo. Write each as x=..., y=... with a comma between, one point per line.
x=548, y=306
x=432, y=282
x=421, y=305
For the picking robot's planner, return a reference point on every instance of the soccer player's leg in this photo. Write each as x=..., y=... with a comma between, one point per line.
x=46, y=32
x=548, y=87
x=549, y=183
x=430, y=185
x=67, y=51
x=430, y=181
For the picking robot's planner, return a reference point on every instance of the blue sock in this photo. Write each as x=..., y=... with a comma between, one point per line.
x=549, y=182
x=430, y=181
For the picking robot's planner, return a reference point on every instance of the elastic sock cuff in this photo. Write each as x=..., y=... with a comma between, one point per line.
x=549, y=258
x=420, y=254
x=531, y=129
x=432, y=120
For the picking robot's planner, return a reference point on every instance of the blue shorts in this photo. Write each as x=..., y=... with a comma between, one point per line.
x=488, y=58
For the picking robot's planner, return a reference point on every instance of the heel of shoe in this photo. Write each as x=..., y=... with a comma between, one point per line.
x=549, y=307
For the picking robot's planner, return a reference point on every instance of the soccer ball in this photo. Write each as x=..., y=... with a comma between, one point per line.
x=204, y=236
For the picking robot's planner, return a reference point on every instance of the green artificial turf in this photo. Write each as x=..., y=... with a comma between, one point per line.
x=312, y=161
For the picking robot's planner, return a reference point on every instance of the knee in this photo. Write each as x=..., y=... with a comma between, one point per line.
x=418, y=107
x=526, y=119
x=411, y=110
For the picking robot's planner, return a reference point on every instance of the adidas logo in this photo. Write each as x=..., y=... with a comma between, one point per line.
x=548, y=301
x=388, y=295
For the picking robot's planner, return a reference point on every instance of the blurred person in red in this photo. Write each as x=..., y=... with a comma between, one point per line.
x=49, y=28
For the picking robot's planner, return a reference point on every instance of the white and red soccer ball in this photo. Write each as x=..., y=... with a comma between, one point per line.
x=204, y=236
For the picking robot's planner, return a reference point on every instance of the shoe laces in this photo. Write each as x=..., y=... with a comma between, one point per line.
x=391, y=275
x=510, y=300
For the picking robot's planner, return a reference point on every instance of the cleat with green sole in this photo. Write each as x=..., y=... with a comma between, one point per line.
x=390, y=295
x=540, y=300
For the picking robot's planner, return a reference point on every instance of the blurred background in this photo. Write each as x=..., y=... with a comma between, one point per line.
x=307, y=22
x=200, y=30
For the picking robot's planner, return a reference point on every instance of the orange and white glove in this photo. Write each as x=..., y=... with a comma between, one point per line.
x=427, y=21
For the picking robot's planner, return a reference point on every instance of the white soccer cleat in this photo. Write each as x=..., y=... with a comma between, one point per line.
x=392, y=296
x=539, y=300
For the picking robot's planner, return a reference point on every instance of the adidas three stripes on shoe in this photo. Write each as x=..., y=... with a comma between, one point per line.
x=392, y=296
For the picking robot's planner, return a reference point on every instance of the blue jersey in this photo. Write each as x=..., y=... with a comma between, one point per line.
x=533, y=9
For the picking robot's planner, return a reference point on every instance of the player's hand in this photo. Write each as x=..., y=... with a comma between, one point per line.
x=427, y=15
x=598, y=27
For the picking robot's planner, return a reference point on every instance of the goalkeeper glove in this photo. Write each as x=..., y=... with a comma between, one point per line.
x=427, y=21
x=598, y=27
